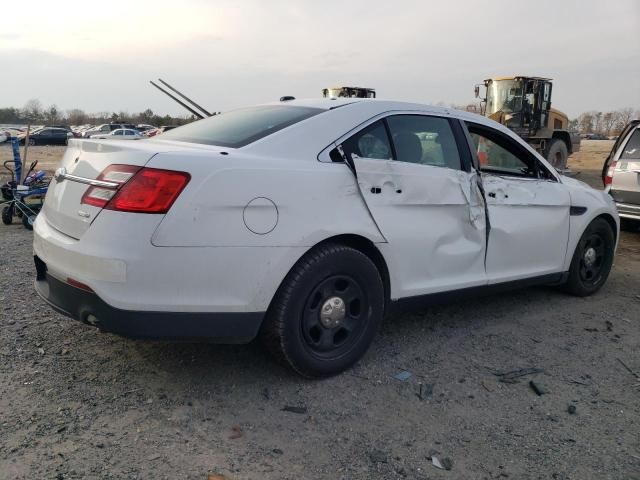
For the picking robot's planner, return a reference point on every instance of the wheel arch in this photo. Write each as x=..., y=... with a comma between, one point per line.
x=357, y=242
x=612, y=223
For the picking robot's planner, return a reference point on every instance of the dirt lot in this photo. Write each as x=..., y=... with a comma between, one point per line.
x=77, y=403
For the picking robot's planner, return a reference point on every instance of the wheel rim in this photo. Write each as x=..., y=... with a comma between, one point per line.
x=334, y=316
x=592, y=259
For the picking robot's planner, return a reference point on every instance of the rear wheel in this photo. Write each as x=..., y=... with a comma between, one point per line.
x=592, y=259
x=326, y=312
x=7, y=215
x=558, y=154
x=32, y=141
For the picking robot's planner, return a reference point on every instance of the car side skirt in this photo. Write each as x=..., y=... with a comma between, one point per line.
x=452, y=296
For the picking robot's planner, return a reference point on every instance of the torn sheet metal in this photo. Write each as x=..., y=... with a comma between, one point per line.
x=435, y=218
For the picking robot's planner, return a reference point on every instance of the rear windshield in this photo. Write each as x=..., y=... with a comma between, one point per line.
x=238, y=128
x=632, y=148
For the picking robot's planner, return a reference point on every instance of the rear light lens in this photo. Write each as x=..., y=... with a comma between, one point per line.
x=608, y=179
x=100, y=196
x=140, y=190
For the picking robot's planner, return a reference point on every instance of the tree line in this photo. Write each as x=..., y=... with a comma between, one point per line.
x=34, y=113
x=604, y=123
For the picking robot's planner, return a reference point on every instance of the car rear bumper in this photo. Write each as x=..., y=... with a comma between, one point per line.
x=87, y=307
x=627, y=210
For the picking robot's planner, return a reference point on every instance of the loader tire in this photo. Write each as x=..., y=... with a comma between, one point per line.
x=558, y=154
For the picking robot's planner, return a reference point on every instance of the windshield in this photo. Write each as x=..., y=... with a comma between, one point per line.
x=238, y=128
x=504, y=95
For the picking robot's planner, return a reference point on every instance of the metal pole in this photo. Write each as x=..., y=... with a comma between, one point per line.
x=26, y=149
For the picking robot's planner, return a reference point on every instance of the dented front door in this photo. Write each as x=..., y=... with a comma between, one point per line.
x=433, y=219
x=529, y=221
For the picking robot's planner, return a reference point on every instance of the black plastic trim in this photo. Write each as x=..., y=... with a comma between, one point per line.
x=576, y=211
x=482, y=290
x=213, y=327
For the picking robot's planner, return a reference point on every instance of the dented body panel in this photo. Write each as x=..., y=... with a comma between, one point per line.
x=249, y=214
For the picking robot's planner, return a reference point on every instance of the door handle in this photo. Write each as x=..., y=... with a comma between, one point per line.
x=376, y=190
x=492, y=194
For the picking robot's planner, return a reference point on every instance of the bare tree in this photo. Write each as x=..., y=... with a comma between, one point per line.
x=609, y=119
x=51, y=115
x=33, y=110
x=75, y=116
x=585, y=121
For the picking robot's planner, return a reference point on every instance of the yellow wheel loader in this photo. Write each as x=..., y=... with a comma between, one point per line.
x=523, y=104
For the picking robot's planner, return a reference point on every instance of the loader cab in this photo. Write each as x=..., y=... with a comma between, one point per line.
x=520, y=103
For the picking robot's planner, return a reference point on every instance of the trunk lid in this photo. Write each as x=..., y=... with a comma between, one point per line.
x=87, y=159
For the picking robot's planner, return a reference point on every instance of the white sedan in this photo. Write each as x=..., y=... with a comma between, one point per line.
x=120, y=134
x=302, y=222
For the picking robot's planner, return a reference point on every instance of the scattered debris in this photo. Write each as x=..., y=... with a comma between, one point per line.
x=378, y=456
x=265, y=394
x=277, y=451
x=41, y=351
x=485, y=387
x=444, y=464
x=153, y=457
x=236, y=432
x=591, y=329
x=627, y=368
x=537, y=388
x=425, y=390
x=609, y=325
x=513, y=375
x=292, y=409
x=402, y=376
x=571, y=409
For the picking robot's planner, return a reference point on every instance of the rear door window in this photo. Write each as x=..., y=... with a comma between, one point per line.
x=370, y=142
x=241, y=127
x=425, y=140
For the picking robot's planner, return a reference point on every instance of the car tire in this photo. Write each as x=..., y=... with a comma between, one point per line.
x=7, y=215
x=32, y=142
x=343, y=284
x=592, y=259
x=558, y=154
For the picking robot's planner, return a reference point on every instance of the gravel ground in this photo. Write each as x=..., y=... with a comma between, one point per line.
x=77, y=403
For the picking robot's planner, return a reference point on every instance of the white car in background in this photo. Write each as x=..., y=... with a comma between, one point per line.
x=302, y=222
x=120, y=134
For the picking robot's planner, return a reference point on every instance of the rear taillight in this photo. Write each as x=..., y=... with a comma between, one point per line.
x=608, y=179
x=141, y=190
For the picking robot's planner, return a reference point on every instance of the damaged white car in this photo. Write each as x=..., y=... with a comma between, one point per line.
x=302, y=222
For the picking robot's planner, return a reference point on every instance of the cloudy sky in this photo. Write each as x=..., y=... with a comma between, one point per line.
x=231, y=53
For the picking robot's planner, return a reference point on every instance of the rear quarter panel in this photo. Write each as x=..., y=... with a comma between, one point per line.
x=314, y=201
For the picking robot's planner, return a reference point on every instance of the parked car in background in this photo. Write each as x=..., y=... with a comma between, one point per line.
x=303, y=223
x=48, y=136
x=143, y=127
x=621, y=174
x=106, y=128
x=120, y=134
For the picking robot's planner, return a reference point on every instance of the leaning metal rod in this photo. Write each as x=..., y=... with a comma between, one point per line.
x=184, y=96
x=196, y=113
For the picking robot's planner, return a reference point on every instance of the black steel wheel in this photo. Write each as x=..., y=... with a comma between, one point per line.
x=592, y=259
x=7, y=215
x=326, y=312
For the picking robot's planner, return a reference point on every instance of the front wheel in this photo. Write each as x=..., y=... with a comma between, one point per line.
x=558, y=154
x=326, y=312
x=592, y=259
x=7, y=215
x=32, y=141
x=27, y=221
